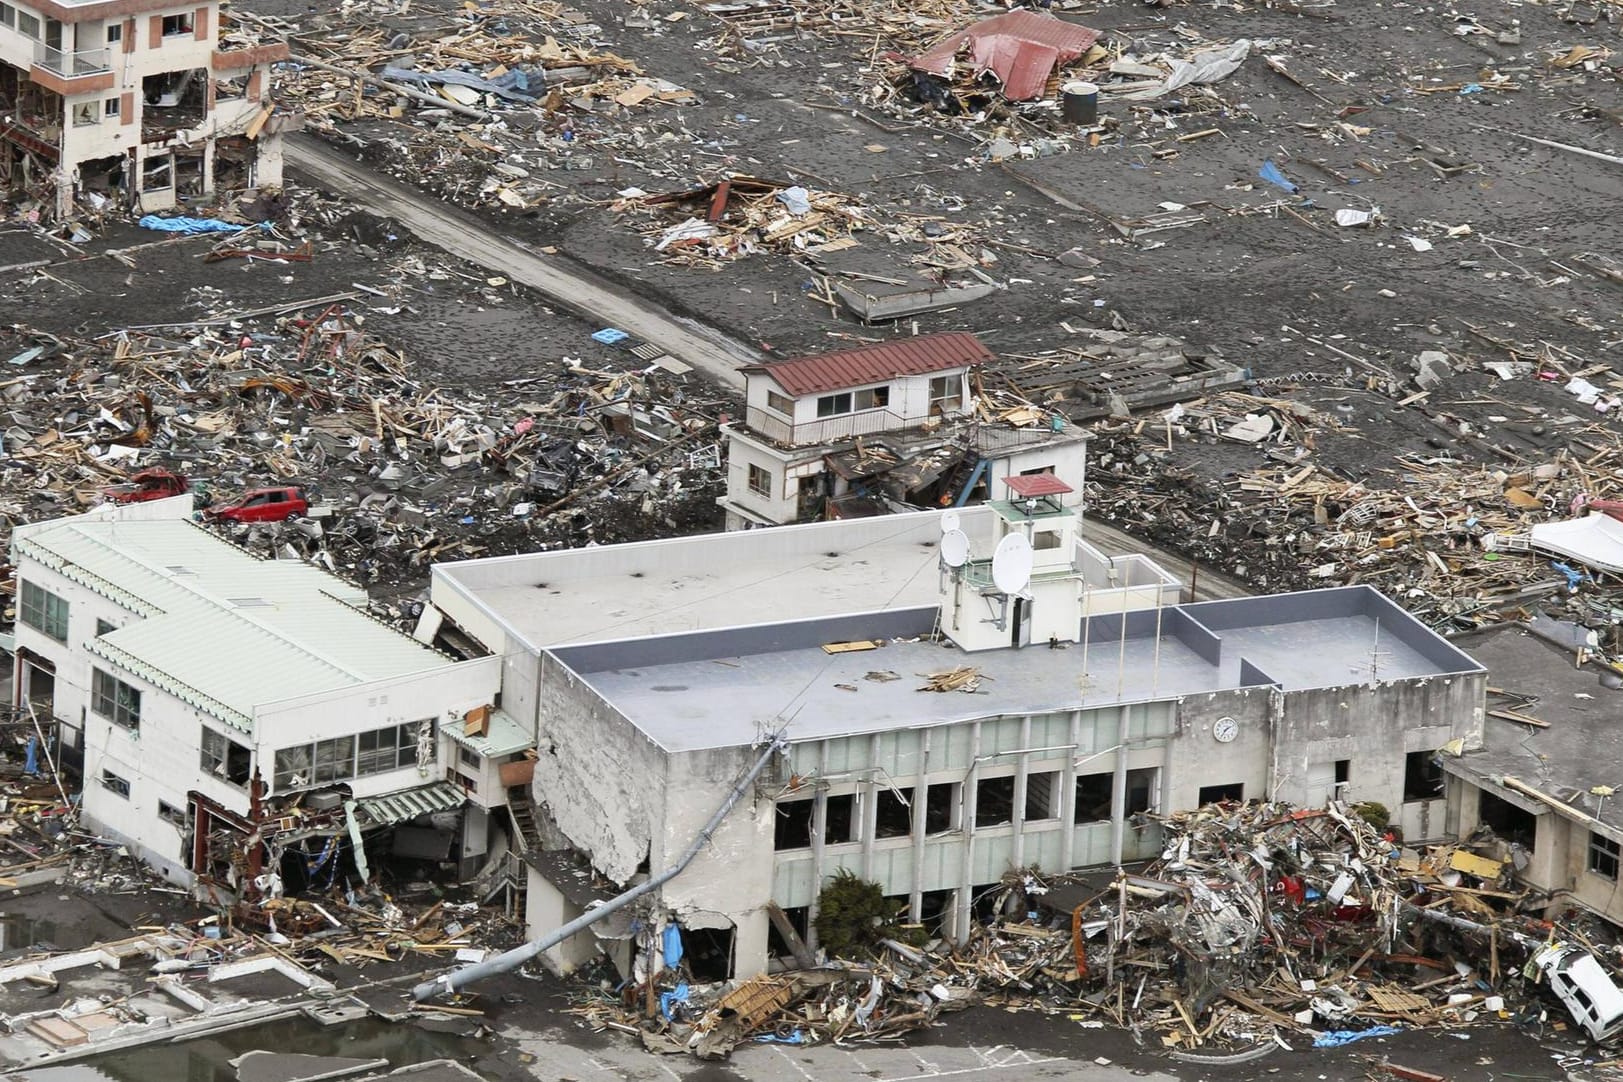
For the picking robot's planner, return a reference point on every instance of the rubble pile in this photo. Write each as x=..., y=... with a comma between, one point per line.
x=397, y=472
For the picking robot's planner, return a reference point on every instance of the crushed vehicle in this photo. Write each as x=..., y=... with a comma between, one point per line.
x=1583, y=986
x=150, y=484
x=262, y=505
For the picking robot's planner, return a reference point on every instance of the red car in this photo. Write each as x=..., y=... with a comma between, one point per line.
x=153, y=484
x=262, y=505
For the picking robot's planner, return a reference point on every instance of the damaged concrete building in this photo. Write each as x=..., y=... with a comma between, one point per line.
x=875, y=429
x=948, y=712
x=243, y=725
x=137, y=105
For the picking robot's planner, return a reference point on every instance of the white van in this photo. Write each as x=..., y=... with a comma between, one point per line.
x=1580, y=982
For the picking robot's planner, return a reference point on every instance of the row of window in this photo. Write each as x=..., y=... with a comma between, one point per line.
x=895, y=807
x=379, y=751
x=946, y=395
x=43, y=611
x=174, y=26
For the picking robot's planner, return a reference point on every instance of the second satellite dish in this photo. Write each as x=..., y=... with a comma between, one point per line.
x=1011, y=564
x=954, y=548
x=949, y=521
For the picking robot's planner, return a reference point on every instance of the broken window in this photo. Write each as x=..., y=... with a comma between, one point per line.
x=1141, y=788
x=224, y=758
x=799, y=918
x=115, y=784
x=103, y=627
x=231, y=87
x=157, y=173
x=841, y=819
x=873, y=398
x=1042, y=795
x=780, y=403
x=1508, y=821
x=44, y=611
x=760, y=481
x=115, y=700
x=940, y=803
x=292, y=768
x=1343, y=772
x=468, y=757
x=1093, y=792
x=893, y=818
x=1218, y=794
x=709, y=953
x=1422, y=776
x=175, y=26
x=1603, y=855
x=390, y=748
x=832, y=405
x=994, y=801
x=172, y=815
x=86, y=112
x=946, y=393
x=335, y=759
x=792, y=824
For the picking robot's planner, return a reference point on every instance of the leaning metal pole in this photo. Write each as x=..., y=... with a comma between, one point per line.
x=447, y=983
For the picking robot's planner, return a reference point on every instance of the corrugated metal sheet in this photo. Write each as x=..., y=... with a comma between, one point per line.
x=1037, y=484
x=309, y=638
x=1021, y=48
x=408, y=804
x=864, y=365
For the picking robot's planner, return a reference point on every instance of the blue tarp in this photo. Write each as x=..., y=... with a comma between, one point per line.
x=193, y=225
x=1338, y=1037
x=673, y=946
x=1270, y=172
x=676, y=995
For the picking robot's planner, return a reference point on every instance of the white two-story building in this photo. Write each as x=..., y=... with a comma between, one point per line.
x=880, y=427
x=242, y=720
x=135, y=101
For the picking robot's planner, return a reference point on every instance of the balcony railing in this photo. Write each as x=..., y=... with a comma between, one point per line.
x=70, y=64
x=843, y=426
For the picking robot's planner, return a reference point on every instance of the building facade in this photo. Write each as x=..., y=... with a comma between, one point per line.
x=137, y=104
x=243, y=725
x=1051, y=750
x=874, y=429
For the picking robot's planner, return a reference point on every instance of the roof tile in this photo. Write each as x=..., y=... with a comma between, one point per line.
x=876, y=363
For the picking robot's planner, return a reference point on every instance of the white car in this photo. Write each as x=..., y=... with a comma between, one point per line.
x=1580, y=982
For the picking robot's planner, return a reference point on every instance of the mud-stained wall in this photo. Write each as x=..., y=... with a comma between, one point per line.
x=598, y=779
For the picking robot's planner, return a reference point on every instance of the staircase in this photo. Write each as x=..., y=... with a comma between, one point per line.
x=522, y=813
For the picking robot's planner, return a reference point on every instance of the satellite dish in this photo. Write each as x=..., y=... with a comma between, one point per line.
x=1011, y=564
x=954, y=548
x=949, y=521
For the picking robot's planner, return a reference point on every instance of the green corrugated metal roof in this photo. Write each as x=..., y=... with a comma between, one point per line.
x=409, y=804
x=223, y=629
x=506, y=736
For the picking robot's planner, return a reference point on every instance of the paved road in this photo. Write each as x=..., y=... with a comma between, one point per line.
x=562, y=282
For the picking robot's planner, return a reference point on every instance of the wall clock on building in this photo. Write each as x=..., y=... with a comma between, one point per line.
x=1225, y=729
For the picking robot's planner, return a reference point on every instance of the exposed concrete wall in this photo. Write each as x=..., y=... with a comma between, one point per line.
x=1374, y=728
x=545, y=908
x=1196, y=758
x=732, y=876
x=781, y=501
x=598, y=779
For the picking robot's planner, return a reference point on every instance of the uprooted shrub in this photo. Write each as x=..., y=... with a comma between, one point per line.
x=852, y=915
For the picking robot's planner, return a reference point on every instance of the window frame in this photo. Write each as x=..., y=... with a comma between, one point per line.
x=105, y=700
x=1602, y=851
x=116, y=784
x=834, y=405
x=37, y=33
x=871, y=398
x=111, y=109
x=950, y=396
x=41, y=612
x=183, y=22
x=115, y=33
x=215, y=750
x=8, y=15
x=759, y=480
x=780, y=403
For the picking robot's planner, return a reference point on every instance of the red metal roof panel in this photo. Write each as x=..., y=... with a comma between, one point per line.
x=1021, y=48
x=864, y=365
x=1032, y=485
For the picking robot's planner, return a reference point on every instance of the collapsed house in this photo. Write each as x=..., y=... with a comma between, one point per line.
x=243, y=725
x=1020, y=49
x=135, y=105
x=874, y=429
x=945, y=711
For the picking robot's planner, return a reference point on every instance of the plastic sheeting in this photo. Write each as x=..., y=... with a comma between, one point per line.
x=673, y=946
x=511, y=86
x=1270, y=172
x=1335, y=1038
x=193, y=226
x=1209, y=65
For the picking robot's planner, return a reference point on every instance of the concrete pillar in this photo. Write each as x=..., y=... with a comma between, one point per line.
x=960, y=905
x=819, y=823
x=868, y=807
x=1118, y=789
x=1018, y=816
x=750, y=944
x=921, y=808
x=1067, y=796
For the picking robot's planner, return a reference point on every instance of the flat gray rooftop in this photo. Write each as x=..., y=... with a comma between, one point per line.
x=716, y=689
x=710, y=581
x=1582, y=748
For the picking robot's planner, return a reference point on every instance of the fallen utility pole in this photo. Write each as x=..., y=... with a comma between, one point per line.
x=450, y=982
